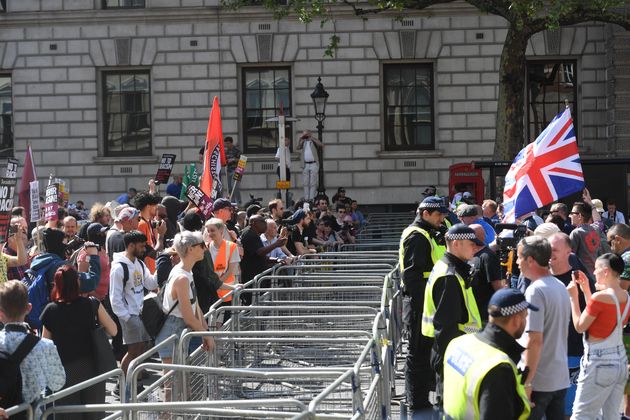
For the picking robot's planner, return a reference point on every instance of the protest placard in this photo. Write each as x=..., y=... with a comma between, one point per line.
x=240, y=168
x=200, y=199
x=166, y=167
x=7, y=189
x=52, y=202
x=34, y=193
x=12, y=167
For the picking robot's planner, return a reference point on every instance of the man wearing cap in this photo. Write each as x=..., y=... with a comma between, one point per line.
x=481, y=380
x=222, y=209
x=450, y=309
x=126, y=220
x=421, y=246
x=548, y=329
x=472, y=214
x=298, y=239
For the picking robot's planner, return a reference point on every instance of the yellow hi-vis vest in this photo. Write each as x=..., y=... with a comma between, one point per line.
x=437, y=251
x=466, y=362
x=474, y=319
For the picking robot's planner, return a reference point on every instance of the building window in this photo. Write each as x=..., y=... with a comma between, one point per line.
x=123, y=4
x=127, y=113
x=265, y=91
x=408, y=101
x=549, y=84
x=6, y=117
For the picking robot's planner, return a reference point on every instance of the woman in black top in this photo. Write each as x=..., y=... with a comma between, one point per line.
x=68, y=321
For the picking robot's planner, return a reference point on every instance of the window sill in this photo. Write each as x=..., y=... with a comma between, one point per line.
x=114, y=160
x=410, y=153
x=264, y=157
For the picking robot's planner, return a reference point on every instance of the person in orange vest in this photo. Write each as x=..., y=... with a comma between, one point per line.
x=225, y=256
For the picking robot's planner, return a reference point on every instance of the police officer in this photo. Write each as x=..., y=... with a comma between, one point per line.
x=450, y=309
x=480, y=376
x=421, y=246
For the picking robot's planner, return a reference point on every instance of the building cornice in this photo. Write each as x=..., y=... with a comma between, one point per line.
x=199, y=14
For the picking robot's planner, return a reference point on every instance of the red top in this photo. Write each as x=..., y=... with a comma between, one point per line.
x=605, y=317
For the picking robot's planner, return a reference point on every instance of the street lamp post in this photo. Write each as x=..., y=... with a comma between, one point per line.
x=320, y=97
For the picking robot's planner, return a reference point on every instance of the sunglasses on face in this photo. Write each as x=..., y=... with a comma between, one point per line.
x=200, y=244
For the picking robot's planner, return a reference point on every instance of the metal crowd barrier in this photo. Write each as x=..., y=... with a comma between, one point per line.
x=321, y=343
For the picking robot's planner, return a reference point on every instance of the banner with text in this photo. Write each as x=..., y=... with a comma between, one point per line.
x=52, y=202
x=34, y=191
x=240, y=168
x=7, y=189
x=166, y=167
x=201, y=200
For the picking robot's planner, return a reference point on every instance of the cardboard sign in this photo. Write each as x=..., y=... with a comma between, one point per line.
x=200, y=199
x=240, y=168
x=283, y=185
x=52, y=202
x=166, y=167
x=12, y=167
x=7, y=189
x=34, y=190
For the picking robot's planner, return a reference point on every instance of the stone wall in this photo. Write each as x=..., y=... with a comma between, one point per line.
x=57, y=94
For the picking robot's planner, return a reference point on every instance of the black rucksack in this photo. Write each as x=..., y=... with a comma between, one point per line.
x=10, y=375
x=152, y=314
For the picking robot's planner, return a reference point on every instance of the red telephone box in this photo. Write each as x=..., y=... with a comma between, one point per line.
x=464, y=177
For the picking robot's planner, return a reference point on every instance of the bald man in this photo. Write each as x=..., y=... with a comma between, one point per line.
x=487, y=274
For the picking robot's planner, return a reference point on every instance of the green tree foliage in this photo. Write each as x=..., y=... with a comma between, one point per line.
x=524, y=18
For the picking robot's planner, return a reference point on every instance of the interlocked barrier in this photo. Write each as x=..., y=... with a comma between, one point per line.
x=319, y=341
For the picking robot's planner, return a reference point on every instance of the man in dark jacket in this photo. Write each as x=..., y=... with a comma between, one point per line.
x=421, y=246
x=480, y=374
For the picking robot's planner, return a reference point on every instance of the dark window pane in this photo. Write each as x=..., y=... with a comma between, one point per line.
x=408, y=91
x=265, y=90
x=6, y=117
x=123, y=4
x=549, y=84
x=127, y=113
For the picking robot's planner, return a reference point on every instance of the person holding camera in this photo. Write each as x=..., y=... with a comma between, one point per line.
x=14, y=256
x=96, y=238
x=310, y=157
x=154, y=230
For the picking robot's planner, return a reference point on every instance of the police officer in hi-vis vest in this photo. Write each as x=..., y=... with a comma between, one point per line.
x=421, y=246
x=450, y=309
x=481, y=380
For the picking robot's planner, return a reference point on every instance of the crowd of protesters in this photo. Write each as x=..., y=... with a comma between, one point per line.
x=516, y=321
x=61, y=279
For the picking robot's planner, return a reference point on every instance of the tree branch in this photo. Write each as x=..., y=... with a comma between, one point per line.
x=394, y=5
x=580, y=16
x=359, y=11
x=495, y=7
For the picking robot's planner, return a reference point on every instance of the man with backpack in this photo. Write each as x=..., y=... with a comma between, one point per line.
x=39, y=278
x=28, y=364
x=128, y=278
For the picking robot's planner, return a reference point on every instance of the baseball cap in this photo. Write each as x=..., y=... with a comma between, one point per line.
x=599, y=206
x=221, y=203
x=467, y=195
x=433, y=203
x=467, y=210
x=460, y=232
x=298, y=215
x=507, y=302
x=126, y=214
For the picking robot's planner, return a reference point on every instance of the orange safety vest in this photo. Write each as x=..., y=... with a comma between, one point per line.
x=221, y=263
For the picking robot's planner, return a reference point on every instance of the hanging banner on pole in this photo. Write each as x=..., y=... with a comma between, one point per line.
x=7, y=189
x=201, y=200
x=166, y=167
x=12, y=167
x=52, y=202
x=34, y=193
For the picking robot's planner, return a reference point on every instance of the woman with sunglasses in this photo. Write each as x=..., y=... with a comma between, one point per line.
x=180, y=295
x=604, y=370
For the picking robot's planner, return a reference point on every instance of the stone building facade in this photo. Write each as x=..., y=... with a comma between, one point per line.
x=62, y=57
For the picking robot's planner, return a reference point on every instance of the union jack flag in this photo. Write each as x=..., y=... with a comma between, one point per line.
x=544, y=171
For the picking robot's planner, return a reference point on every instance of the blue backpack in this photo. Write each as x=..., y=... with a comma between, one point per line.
x=39, y=285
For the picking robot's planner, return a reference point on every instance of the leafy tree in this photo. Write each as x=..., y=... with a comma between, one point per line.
x=524, y=18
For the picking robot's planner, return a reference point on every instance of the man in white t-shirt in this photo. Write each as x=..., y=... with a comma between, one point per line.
x=613, y=214
x=548, y=378
x=311, y=163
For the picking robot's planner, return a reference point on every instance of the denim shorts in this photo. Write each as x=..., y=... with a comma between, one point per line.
x=133, y=330
x=173, y=325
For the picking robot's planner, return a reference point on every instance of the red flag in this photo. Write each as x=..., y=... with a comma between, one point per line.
x=28, y=175
x=214, y=157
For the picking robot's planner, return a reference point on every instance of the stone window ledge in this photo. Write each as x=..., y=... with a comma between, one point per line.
x=117, y=160
x=264, y=157
x=410, y=154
